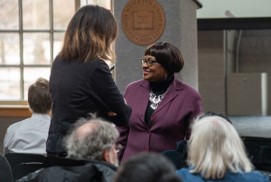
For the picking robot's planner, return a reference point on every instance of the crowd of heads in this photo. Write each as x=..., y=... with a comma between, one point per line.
x=214, y=148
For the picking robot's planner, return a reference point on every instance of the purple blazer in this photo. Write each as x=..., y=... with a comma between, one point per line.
x=169, y=123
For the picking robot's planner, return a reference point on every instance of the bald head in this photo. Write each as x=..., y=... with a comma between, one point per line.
x=84, y=130
x=90, y=138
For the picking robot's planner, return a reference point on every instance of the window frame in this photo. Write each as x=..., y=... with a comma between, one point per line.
x=22, y=103
x=20, y=32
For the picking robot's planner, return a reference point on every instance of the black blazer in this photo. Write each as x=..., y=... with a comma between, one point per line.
x=78, y=89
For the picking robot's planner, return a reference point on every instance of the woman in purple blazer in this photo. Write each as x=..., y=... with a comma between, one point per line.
x=162, y=106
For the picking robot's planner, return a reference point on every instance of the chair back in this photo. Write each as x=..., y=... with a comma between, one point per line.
x=50, y=161
x=24, y=169
x=259, y=152
x=175, y=157
x=182, y=149
x=15, y=159
x=64, y=169
x=5, y=170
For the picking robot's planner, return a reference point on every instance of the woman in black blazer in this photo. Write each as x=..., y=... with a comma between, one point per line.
x=81, y=82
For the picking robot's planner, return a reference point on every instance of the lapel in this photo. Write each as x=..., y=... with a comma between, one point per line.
x=173, y=91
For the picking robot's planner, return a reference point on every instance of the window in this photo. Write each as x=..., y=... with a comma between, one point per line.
x=103, y=3
x=31, y=34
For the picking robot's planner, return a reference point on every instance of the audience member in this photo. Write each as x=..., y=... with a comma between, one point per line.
x=81, y=82
x=30, y=135
x=162, y=106
x=182, y=145
x=146, y=167
x=91, y=148
x=93, y=139
x=217, y=153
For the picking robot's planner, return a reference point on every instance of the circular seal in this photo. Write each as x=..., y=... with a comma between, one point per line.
x=143, y=21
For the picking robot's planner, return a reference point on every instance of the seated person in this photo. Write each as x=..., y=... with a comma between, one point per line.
x=30, y=135
x=93, y=139
x=92, y=154
x=146, y=167
x=182, y=145
x=217, y=153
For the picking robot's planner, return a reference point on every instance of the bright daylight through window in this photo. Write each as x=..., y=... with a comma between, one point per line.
x=31, y=35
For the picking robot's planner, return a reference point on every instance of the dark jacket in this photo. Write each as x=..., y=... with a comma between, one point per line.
x=77, y=89
x=87, y=171
x=168, y=124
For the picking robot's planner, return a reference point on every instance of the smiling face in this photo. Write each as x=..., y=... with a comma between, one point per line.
x=153, y=71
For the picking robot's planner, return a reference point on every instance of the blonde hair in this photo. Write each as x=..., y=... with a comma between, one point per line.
x=215, y=148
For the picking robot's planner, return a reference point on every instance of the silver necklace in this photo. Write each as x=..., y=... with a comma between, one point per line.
x=155, y=99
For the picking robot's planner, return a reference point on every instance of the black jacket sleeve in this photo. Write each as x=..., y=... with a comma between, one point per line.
x=109, y=96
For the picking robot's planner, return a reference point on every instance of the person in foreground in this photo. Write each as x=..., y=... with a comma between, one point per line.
x=93, y=139
x=92, y=155
x=217, y=153
x=149, y=167
x=81, y=82
x=162, y=106
x=30, y=134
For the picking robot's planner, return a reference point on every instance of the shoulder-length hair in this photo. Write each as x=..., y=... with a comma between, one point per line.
x=215, y=148
x=90, y=35
x=168, y=55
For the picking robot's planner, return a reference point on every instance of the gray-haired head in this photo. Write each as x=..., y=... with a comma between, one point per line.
x=90, y=138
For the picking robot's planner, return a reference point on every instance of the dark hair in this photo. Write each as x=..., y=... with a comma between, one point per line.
x=39, y=97
x=168, y=55
x=89, y=35
x=150, y=167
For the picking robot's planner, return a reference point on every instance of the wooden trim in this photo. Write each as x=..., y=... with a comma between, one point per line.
x=14, y=111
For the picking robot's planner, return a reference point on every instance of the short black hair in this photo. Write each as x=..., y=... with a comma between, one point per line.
x=168, y=55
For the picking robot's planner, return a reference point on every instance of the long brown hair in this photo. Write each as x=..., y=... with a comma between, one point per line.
x=89, y=35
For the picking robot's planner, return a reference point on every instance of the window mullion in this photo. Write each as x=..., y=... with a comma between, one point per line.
x=21, y=49
x=51, y=23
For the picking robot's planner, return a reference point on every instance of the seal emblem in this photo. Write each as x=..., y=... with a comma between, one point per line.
x=143, y=21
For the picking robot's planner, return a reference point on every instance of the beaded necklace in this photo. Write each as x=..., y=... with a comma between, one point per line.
x=155, y=99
